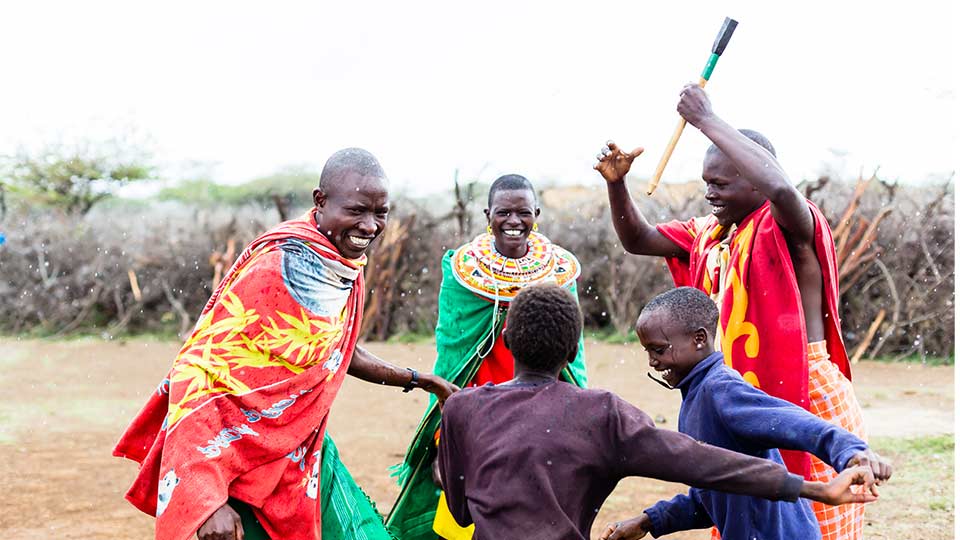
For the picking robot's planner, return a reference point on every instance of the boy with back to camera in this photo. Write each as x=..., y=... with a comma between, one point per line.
x=535, y=457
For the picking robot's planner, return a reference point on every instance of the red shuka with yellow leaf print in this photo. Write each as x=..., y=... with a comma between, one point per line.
x=762, y=330
x=243, y=410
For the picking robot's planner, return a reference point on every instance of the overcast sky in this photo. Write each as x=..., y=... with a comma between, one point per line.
x=236, y=90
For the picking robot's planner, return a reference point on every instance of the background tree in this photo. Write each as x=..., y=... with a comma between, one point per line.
x=73, y=179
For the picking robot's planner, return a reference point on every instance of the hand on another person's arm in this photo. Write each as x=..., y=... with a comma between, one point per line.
x=369, y=367
x=838, y=490
x=882, y=470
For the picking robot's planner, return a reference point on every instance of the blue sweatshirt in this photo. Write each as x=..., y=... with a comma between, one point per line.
x=722, y=409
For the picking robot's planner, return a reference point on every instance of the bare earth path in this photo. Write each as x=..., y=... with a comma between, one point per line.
x=63, y=405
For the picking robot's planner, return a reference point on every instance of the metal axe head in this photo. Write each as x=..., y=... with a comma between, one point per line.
x=729, y=25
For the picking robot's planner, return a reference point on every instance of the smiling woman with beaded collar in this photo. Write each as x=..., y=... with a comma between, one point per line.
x=480, y=278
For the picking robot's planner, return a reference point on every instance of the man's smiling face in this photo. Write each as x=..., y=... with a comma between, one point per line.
x=731, y=197
x=352, y=212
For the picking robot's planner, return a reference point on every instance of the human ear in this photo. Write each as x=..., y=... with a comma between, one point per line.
x=319, y=198
x=700, y=337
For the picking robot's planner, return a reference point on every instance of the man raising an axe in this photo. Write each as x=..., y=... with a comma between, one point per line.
x=766, y=256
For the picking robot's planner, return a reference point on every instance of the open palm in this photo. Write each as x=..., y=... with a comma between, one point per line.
x=613, y=163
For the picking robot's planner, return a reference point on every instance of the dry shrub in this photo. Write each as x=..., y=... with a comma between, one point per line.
x=114, y=269
x=72, y=274
x=911, y=278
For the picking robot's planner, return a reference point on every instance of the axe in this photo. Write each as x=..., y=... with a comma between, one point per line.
x=726, y=31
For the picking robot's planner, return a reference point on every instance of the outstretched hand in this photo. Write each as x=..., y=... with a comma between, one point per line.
x=838, y=490
x=882, y=471
x=613, y=163
x=630, y=529
x=437, y=386
x=223, y=524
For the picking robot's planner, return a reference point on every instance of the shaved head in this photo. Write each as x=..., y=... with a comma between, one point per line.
x=348, y=160
x=689, y=307
x=510, y=182
x=351, y=203
x=754, y=136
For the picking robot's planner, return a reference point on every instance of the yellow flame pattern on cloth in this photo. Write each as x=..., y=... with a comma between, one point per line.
x=216, y=350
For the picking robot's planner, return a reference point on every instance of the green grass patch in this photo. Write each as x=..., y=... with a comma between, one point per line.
x=917, y=359
x=934, y=445
x=407, y=338
x=88, y=335
x=609, y=335
x=922, y=484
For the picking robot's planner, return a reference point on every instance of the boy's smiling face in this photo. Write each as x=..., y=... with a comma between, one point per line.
x=673, y=351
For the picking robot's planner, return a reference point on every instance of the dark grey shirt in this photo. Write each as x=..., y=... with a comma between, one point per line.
x=537, y=462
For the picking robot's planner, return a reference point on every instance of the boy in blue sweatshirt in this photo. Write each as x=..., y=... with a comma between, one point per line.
x=677, y=329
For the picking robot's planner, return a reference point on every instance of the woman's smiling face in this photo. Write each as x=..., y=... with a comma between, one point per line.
x=511, y=216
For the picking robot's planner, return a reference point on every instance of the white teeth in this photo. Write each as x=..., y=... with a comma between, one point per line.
x=512, y=233
x=359, y=242
x=717, y=209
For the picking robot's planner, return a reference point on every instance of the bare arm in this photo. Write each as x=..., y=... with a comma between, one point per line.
x=368, y=367
x=223, y=524
x=636, y=234
x=755, y=164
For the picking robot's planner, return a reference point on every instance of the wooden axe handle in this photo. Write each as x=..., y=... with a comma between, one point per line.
x=655, y=181
x=723, y=38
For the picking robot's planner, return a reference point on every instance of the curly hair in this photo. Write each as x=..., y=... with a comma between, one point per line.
x=543, y=330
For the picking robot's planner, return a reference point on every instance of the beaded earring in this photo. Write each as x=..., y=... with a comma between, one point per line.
x=536, y=227
x=489, y=229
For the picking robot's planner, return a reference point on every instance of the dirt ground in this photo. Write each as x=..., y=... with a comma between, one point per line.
x=64, y=404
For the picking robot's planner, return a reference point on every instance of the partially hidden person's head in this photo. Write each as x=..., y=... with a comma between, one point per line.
x=351, y=202
x=731, y=197
x=543, y=328
x=512, y=213
x=677, y=329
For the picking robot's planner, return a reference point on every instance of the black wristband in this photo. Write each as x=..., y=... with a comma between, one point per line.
x=414, y=381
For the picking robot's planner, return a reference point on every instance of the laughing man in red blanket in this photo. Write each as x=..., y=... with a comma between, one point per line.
x=237, y=427
x=766, y=256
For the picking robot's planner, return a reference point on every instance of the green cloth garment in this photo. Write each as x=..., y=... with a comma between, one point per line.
x=346, y=511
x=465, y=329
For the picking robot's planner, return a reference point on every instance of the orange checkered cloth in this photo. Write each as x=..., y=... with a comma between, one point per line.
x=831, y=399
